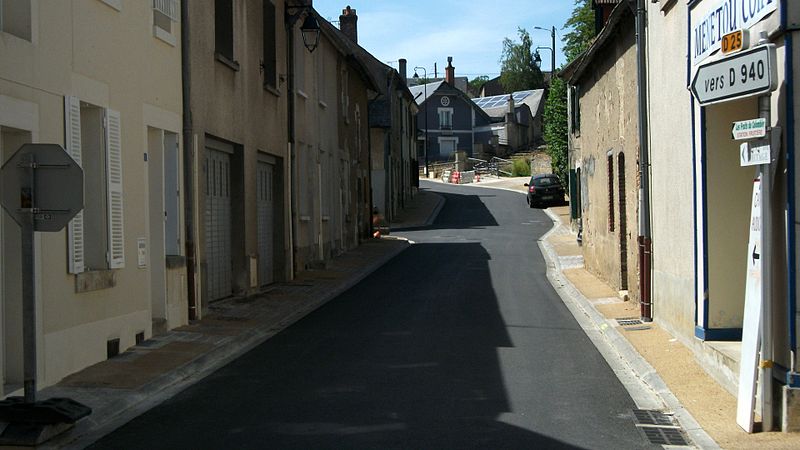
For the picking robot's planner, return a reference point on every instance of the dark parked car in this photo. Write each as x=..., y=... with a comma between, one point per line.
x=543, y=189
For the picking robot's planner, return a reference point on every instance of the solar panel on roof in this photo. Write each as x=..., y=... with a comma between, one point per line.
x=500, y=100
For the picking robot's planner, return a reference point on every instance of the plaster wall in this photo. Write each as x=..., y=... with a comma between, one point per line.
x=231, y=103
x=671, y=174
x=608, y=129
x=95, y=52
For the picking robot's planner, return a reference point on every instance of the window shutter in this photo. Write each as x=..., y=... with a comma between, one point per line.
x=116, y=237
x=72, y=138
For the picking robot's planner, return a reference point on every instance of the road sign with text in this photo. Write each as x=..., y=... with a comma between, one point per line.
x=748, y=73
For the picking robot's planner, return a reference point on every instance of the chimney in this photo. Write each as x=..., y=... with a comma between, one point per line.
x=401, y=67
x=348, y=23
x=511, y=103
x=450, y=72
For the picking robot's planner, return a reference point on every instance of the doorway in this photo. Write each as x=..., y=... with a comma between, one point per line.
x=728, y=190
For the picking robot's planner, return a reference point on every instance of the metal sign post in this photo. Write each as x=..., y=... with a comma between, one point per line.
x=764, y=109
x=42, y=190
x=27, y=200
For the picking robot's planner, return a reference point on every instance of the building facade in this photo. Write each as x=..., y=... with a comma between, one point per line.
x=604, y=151
x=117, y=272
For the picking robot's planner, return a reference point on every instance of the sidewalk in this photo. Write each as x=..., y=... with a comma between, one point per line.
x=126, y=386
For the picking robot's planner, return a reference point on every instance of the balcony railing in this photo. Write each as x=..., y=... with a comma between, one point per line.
x=168, y=8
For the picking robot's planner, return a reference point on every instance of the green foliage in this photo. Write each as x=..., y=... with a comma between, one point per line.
x=521, y=167
x=518, y=72
x=476, y=83
x=555, y=128
x=581, y=29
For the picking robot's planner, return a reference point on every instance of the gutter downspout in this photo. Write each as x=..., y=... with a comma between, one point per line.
x=644, y=240
x=188, y=162
x=290, y=145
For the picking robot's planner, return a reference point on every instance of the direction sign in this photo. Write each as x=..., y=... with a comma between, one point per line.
x=43, y=180
x=748, y=73
x=754, y=153
x=749, y=129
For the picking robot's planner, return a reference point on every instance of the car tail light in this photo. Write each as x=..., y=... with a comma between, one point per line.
x=531, y=189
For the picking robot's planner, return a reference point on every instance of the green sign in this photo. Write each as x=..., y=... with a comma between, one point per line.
x=749, y=129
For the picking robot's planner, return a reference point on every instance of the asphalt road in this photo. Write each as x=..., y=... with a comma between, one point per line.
x=459, y=342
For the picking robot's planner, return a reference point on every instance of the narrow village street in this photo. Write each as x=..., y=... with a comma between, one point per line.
x=458, y=342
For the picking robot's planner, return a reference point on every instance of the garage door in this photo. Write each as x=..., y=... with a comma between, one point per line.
x=265, y=200
x=218, y=223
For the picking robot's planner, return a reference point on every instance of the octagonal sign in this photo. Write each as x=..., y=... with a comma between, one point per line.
x=44, y=180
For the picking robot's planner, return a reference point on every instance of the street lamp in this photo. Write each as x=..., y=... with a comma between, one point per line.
x=310, y=27
x=425, y=89
x=537, y=59
x=553, y=49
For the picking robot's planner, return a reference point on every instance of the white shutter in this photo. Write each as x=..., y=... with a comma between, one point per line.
x=72, y=138
x=116, y=237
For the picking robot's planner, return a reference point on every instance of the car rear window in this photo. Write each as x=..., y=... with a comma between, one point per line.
x=545, y=181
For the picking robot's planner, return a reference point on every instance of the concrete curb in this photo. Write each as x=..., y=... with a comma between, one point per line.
x=118, y=413
x=646, y=387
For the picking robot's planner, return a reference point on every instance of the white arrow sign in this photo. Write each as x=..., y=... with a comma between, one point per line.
x=744, y=74
x=754, y=153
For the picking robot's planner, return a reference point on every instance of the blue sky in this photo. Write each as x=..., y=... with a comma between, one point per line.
x=470, y=31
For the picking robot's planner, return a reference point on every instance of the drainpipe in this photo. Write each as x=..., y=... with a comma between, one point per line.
x=188, y=162
x=291, y=144
x=644, y=240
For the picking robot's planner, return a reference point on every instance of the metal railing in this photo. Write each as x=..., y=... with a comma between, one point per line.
x=169, y=8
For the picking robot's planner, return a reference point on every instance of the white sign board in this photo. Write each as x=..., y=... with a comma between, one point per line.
x=744, y=74
x=754, y=153
x=749, y=129
x=751, y=328
x=723, y=17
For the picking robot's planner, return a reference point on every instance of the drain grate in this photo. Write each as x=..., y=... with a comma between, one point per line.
x=627, y=321
x=664, y=435
x=659, y=428
x=651, y=417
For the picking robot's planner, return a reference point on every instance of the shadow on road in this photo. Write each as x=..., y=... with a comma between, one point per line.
x=389, y=364
x=462, y=211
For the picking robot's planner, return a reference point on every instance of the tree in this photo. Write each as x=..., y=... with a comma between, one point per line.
x=476, y=83
x=555, y=127
x=518, y=72
x=581, y=29
x=576, y=41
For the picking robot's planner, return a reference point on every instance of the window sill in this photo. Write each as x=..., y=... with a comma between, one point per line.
x=272, y=90
x=302, y=94
x=164, y=36
x=95, y=280
x=228, y=62
x=323, y=105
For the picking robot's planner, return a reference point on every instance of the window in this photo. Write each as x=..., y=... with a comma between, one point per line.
x=93, y=138
x=269, y=57
x=223, y=30
x=15, y=18
x=575, y=111
x=610, y=177
x=446, y=118
x=165, y=12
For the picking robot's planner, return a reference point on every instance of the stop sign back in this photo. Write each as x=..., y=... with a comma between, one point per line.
x=44, y=180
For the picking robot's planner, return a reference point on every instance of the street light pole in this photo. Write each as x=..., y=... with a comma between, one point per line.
x=553, y=56
x=425, y=89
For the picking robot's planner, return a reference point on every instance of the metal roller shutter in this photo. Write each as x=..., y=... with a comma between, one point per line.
x=218, y=224
x=266, y=215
